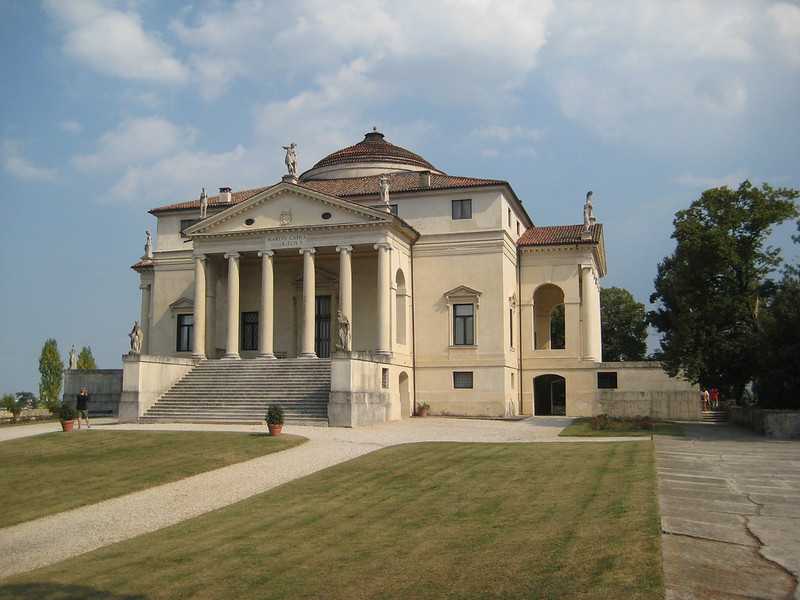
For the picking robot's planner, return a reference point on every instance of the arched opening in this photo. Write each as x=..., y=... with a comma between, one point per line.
x=405, y=395
x=549, y=326
x=549, y=395
x=400, y=307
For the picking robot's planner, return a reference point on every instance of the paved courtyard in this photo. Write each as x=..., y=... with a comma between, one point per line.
x=50, y=539
x=730, y=514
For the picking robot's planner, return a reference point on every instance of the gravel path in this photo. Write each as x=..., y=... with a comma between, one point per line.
x=44, y=541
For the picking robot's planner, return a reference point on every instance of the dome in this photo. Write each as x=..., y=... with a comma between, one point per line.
x=371, y=156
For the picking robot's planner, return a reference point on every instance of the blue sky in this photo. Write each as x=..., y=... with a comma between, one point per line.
x=112, y=108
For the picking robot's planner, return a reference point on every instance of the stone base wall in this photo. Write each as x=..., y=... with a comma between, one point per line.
x=673, y=405
x=777, y=424
x=105, y=389
x=357, y=395
x=145, y=378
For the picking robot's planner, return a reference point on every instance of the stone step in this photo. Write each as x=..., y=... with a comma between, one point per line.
x=315, y=422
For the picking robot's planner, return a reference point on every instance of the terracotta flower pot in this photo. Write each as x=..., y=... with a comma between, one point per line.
x=274, y=429
x=422, y=411
x=67, y=425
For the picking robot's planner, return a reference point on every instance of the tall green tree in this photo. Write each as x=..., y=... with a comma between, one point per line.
x=710, y=290
x=51, y=369
x=623, y=324
x=85, y=359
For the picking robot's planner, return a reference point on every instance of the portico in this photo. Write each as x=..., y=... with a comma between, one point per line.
x=284, y=287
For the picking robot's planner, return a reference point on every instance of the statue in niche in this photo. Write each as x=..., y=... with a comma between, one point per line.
x=148, y=245
x=291, y=159
x=203, y=204
x=588, y=215
x=344, y=332
x=137, y=338
x=73, y=359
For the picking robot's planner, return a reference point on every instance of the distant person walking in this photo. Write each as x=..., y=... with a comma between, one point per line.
x=83, y=407
x=714, y=398
x=706, y=400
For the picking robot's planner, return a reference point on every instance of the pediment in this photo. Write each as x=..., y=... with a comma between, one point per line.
x=462, y=291
x=287, y=206
x=182, y=303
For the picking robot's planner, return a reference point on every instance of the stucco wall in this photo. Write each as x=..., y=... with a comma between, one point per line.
x=104, y=386
x=145, y=379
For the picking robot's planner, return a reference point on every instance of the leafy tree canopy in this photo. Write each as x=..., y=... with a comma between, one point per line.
x=624, y=325
x=85, y=359
x=710, y=289
x=51, y=369
x=27, y=399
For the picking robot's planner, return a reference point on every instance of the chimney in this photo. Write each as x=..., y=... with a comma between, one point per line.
x=225, y=194
x=424, y=179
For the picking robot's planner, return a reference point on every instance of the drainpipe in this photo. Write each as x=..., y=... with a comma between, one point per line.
x=413, y=333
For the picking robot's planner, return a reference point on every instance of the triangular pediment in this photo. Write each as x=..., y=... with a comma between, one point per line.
x=462, y=291
x=182, y=303
x=286, y=206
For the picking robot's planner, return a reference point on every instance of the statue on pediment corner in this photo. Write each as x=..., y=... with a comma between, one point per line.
x=291, y=159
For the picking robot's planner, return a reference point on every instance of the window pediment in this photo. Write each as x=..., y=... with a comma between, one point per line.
x=462, y=292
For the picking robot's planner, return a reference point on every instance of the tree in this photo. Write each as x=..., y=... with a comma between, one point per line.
x=624, y=325
x=51, y=369
x=85, y=359
x=27, y=399
x=9, y=403
x=558, y=337
x=710, y=289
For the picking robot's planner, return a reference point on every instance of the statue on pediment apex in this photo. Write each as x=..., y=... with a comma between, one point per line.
x=291, y=159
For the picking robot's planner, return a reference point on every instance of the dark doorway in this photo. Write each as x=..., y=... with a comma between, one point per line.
x=550, y=395
x=322, y=327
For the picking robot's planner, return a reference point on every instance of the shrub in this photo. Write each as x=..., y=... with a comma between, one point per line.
x=643, y=422
x=11, y=405
x=274, y=415
x=423, y=406
x=66, y=412
x=600, y=422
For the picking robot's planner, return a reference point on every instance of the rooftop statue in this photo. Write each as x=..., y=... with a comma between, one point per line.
x=137, y=338
x=385, y=190
x=203, y=204
x=148, y=245
x=291, y=159
x=73, y=359
x=588, y=215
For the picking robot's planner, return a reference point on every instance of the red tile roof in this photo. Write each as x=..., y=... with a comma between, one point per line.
x=143, y=263
x=558, y=235
x=350, y=188
x=373, y=148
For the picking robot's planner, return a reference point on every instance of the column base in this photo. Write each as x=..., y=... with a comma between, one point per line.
x=199, y=356
x=307, y=355
x=383, y=352
x=231, y=356
x=266, y=355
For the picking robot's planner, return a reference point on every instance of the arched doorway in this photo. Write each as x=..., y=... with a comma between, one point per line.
x=549, y=395
x=405, y=396
x=549, y=326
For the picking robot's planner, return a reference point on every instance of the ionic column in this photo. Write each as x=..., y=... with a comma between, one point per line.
x=144, y=318
x=590, y=314
x=199, y=327
x=309, y=300
x=232, y=347
x=346, y=288
x=211, y=308
x=384, y=296
x=265, y=320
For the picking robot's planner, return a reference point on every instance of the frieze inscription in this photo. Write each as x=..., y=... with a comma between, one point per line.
x=286, y=240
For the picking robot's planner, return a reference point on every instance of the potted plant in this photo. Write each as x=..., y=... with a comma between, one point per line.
x=422, y=409
x=67, y=416
x=274, y=419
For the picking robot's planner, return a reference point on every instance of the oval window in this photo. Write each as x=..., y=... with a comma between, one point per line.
x=249, y=221
x=326, y=215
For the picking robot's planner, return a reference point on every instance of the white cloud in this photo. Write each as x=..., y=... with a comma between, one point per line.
x=20, y=167
x=71, y=126
x=113, y=42
x=136, y=141
x=507, y=134
x=786, y=20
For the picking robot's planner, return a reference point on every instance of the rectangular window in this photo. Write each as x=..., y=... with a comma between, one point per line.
x=462, y=380
x=463, y=324
x=186, y=223
x=511, y=327
x=249, y=331
x=185, y=333
x=509, y=218
x=607, y=380
x=517, y=227
x=462, y=209
x=385, y=378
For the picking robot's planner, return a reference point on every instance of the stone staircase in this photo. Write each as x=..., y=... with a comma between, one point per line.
x=239, y=391
x=715, y=416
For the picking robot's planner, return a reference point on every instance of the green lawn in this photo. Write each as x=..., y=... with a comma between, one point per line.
x=414, y=521
x=54, y=472
x=583, y=428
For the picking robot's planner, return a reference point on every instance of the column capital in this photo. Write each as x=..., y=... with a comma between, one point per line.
x=308, y=250
x=263, y=253
x=383, y=246
x=344, y=249
x=144, y=286
x=232, y=255
x=199, y=256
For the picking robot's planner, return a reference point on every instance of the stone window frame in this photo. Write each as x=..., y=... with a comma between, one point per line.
x=461, y=203
x=463, y=295
x=607, y=377
x=190, y=327
x=471, y=385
